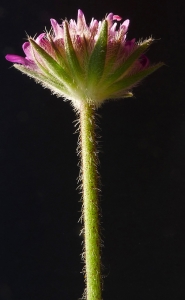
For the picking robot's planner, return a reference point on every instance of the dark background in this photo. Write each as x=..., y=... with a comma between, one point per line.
x=142, y=166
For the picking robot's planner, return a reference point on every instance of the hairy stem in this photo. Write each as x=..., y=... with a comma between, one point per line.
x=92, y=241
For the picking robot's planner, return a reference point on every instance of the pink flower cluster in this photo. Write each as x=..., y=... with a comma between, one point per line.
x=86, y=63
x=80, y=32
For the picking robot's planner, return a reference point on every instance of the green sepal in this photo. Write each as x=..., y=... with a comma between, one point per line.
x=52, y=84
x=51, y=65
x=128, y=63
x=71, y=54
x=59, y=57
x=97, y=60
x=110, y=61
x=128, y=82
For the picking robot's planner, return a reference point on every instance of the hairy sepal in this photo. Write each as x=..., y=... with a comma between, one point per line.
x=129, y=62
x=51, y=65
x=97, y=59
x=71, y=55
x=51, y=84
x=128, y=82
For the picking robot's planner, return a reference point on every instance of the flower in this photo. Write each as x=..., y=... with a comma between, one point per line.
x=86, y=63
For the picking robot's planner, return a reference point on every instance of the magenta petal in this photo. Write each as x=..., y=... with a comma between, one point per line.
x=27, y=50
x=21, y=60
x=17, y=59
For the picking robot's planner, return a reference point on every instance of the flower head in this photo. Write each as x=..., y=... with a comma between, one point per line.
x=86, y=63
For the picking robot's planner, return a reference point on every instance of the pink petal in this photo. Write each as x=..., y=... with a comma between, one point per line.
x=58, y=31
x=109, y=19
x=72, y=24
x=113, y=28
x=125, y=25
x=93, y=27
x=81, y=22
x=39, y=38
x=27, y=50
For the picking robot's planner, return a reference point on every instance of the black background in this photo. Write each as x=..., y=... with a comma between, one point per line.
x=142, y=166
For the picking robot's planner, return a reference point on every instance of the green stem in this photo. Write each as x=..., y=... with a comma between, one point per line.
x=92, y=241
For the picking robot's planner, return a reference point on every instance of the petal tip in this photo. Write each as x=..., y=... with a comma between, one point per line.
x=117, y=18
x=80, y=12
x=16, y=59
